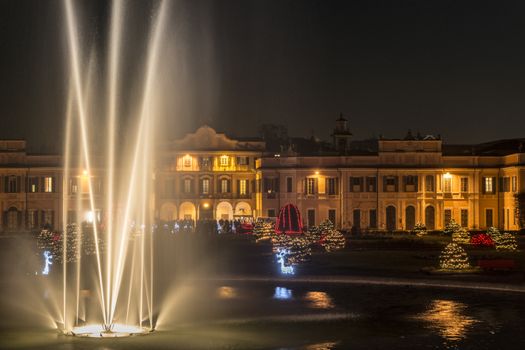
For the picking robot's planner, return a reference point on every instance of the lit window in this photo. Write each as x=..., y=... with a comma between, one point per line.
x=514, y=184
x=48, y=184
x=206, y=186
x=243, y=160
x=33, y=184
x=224, y=186
x=187, y=161
x=447, y=184
x=464, y=184
x=311, y=185
x=242, y=187
x=489, y=185
x=187, y=185
x=224, y=160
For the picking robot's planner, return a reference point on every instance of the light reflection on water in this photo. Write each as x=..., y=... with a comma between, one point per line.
x=282, y=293
x=321, y=346
x=448, y=318
x=226, y=292
x=319, y=300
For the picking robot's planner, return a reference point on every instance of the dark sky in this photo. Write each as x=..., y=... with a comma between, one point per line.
x=455, y=68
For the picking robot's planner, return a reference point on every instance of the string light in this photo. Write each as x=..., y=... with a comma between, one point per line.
x=453, y=257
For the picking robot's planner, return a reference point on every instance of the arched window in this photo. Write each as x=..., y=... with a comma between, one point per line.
x=410, y=217
x=390, y=218
x=430, y=217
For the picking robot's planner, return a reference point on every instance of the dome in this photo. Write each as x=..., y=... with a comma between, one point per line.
x=289, y=220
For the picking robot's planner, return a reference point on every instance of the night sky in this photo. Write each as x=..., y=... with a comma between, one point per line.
x=455, y=68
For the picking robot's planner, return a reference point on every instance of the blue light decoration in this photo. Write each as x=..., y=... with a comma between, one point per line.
x=282, y=259
x=47, y=262
x=282, y=293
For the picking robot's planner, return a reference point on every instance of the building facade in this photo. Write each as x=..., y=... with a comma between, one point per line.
x=403, y=182
x=390, y=186
x=207, y=175
x=30, y=188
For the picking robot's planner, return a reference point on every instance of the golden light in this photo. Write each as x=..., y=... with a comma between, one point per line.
x=84, y=172
x=226, y=292
x=206, y=205
x=319, y=300
x=317, y=173
x=448, y=318
x=224, y=160
x=447, y=175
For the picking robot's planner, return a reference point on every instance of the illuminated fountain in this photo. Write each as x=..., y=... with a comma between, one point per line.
x=121, y=219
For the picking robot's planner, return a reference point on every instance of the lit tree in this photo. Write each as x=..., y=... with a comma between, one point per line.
x=461, y=236
x=506, y=241
x=520, y=209
x=420, y=229
x=333, y=240
x=314, y=234
x=263, y=230
x=297, y=247
x=326, y=226
x=451, y=227
x=453, y=257
x=494, y=233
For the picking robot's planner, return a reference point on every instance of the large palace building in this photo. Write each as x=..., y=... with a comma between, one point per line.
x=380, y=184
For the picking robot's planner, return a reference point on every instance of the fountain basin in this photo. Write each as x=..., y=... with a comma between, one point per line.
x=116, y=330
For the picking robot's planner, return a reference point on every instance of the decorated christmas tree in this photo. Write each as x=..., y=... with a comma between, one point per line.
x=263, y=230
x=506, y=241
x=461, y=236
x=494, y=233
x=453, y=257
x=326, y=226
x=297, y=247
x=281, y=241
x=314, y=234
x=451, y=227
x=333, y=240
x=420, y=229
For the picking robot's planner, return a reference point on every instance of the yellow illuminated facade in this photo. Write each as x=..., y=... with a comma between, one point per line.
x=207, y=175
x=404, y=182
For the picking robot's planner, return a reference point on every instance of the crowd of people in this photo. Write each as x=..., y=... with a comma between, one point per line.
x=207, y=226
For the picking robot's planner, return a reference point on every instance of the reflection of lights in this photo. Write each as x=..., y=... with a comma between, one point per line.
x=90, y=216
x=84, y=172
x=47, y=261
x=226, y=292
x=447, y=175
x=116, y=330
x=321, y=346
x=319, y=300
x=448, y=318
x=282, y=293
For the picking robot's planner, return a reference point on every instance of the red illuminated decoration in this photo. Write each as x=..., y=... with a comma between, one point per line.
x=482, y=240
x=289, y=220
